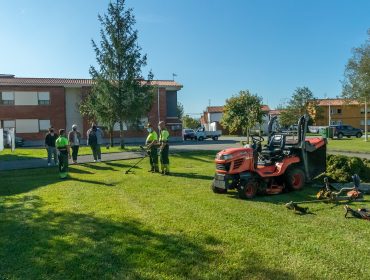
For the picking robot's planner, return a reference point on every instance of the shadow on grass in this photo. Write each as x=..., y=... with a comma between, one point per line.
x=26, y=180
x=91, y=182
x=42, y=244
x=192, y=176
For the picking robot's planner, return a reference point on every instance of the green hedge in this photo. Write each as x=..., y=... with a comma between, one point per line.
x=341, y=168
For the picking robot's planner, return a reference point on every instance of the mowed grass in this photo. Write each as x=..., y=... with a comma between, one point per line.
x=349, y=145
x=104, y=224
x=29, y=153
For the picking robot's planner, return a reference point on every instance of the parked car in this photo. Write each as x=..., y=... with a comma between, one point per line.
x=188, y=134
x=202, y=134
x=19, y=141
x=346, y=130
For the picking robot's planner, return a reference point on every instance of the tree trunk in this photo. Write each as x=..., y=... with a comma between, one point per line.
x=248, y=135
x=366, y=136
x=111, y=136
x=122, y=141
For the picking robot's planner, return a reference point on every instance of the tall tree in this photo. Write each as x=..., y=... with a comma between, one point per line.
x=118, y=83
x=356, y=84
x=242, y=112
x=302, y=102
x=180, y=110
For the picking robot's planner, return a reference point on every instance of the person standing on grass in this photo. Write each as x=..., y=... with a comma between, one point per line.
x=63, y=153
x=94, y=140
x=50, y=138
x=74, y=138
x=151, y=144
x=164, y=148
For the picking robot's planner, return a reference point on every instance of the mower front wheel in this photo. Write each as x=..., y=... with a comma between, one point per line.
x=295, y=179
x=247, y=190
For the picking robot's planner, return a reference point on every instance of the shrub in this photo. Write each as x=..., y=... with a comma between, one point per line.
x=341, y=168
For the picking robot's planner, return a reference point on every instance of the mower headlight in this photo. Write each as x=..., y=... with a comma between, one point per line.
x=226, y=157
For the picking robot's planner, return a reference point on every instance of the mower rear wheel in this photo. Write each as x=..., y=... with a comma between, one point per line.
x=217, y=190
x=247, y=190
x=295, y=179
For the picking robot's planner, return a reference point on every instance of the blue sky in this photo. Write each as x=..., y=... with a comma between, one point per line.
x=216, y=48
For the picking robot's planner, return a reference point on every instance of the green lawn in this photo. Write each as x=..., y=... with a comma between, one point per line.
x=104, y=224
x=29, y=153
x=349, y=144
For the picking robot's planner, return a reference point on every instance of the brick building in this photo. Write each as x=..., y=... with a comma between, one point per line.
x=32, y=105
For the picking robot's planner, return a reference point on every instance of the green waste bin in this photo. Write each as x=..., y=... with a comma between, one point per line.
x=324, y=132
x=330, y=131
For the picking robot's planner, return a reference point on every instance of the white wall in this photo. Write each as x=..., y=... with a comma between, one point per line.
x=214, y=117
x=73, y=116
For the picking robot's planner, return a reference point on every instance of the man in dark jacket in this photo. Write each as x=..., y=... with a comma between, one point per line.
x=50, y=138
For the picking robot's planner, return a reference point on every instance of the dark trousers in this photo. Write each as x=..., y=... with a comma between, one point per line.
x=96, y=151
x=63, y=164
x=153, y=157
x=164, y=155
x=75, y=152
x=52, y=152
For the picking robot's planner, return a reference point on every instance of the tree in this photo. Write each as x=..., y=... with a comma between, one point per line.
x=302, y=102
x=242, y=112
x=180, y=110
x=119, y=93
x=189, y=122
x=356, y=84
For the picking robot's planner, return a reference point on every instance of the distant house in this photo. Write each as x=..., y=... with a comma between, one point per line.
x=342, y=111
x=32, y=105
x=211, y=119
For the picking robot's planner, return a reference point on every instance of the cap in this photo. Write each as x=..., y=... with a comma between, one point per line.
x=148, y=125
x=161, y=122
x=74, y=126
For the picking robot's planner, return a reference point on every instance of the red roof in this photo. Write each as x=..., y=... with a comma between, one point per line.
x=14, y=81
x=220, y=109
x=275, y=112
x=336, y=102
x=215, y=109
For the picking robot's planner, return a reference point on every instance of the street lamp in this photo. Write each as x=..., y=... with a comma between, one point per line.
x=329, y=112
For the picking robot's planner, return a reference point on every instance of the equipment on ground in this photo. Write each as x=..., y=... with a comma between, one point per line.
x=285, y=163
x=329, y=195
x=145, y=154
x=361, y=213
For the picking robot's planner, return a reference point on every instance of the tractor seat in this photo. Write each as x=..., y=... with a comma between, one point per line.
x=274, y=147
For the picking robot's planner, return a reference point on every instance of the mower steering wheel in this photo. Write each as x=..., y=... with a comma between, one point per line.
x=257, y=139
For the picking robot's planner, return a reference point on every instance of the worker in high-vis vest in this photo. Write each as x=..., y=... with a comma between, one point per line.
x=151, y=144
x=164, y=148
x=62, y=146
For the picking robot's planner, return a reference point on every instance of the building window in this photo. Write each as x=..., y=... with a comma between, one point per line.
x=44, y=98
x=362, y=122
x=8, y=124
x=7, y=98
x=27, y=125
x=363, y=110
x=25, y=98
x=171, y=100
x=339, y=111
x=44, y=125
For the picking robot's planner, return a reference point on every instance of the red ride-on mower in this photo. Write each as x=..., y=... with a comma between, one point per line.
x=285, y=163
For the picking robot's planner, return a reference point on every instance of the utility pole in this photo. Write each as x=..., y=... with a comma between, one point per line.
x=366, y=136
